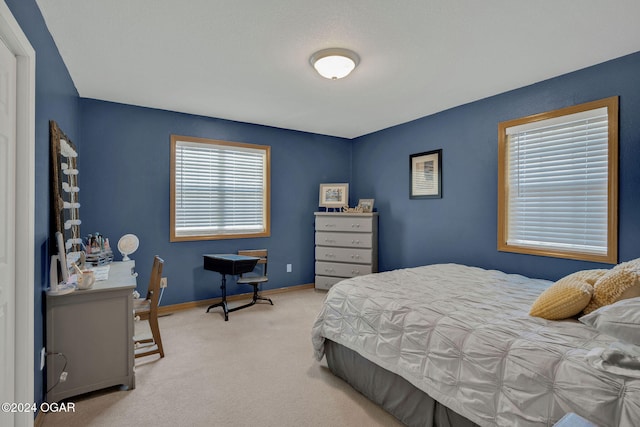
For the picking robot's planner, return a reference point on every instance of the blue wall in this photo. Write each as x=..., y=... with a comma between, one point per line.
x=125, y=188
x=124, y=162
x=462, y=226
x=56, y=99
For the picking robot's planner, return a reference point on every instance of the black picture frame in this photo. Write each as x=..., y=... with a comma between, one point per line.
x=425, y=175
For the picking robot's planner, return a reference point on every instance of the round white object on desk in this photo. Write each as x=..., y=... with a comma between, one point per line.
x=127, y=245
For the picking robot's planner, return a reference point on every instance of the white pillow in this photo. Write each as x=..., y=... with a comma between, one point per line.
x=620, y=320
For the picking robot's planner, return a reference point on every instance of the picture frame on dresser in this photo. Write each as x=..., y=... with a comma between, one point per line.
x=334, y=195
x=425, y=175
x=366, y=205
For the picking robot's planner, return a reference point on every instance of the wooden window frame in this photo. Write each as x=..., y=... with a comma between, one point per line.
x=611, y=257
x=267, y=195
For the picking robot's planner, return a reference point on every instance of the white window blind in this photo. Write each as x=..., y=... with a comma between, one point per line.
x=219, y=189
x=558, y=183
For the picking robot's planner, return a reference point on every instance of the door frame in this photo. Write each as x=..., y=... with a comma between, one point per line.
x=19, y=45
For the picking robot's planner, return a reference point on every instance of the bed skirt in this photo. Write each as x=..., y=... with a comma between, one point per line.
x=396, y=395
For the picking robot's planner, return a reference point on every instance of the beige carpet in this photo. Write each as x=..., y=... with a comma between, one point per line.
x=257, y=369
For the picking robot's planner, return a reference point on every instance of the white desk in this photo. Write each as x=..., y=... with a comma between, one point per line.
x=93, y=329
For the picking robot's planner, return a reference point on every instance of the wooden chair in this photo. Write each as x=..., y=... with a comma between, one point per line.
x=147, y=309
x=255, y=278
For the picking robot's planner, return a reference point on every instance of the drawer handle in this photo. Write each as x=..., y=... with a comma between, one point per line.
x=329, y=225
x=355, y=225
x=355, y=271
x=355, y=256
x=329, y=270
x=329, y=256
x=357, y=242
x=329, y=240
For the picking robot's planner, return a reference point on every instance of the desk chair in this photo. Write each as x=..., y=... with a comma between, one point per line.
x=255, y=278
x=147, y=309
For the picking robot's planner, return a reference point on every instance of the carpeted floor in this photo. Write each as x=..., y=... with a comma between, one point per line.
x=257, y=369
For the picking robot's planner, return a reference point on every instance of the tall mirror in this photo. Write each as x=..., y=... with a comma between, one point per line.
x=65, y=202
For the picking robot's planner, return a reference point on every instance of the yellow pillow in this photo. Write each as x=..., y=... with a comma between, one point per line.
x=621, y=282
x=634, y=264
x=566, y=297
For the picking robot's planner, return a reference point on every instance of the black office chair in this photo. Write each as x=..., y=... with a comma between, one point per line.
x=255, y=278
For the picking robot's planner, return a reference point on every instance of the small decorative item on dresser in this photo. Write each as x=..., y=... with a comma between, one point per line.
x=127, y=245
x=98, y=250
x=85, y=279
x=366, y=205
x=347, y=209
x=334, y=195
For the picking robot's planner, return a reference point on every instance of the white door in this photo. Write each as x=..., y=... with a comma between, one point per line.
x=7, y=227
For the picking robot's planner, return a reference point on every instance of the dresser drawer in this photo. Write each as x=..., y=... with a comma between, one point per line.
x=349, y=240
x=325, y=282
x=358, y=256
x=338, y=269
x=345, y=223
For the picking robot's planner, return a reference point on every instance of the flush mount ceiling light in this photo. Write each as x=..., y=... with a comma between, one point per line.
x=334, y=63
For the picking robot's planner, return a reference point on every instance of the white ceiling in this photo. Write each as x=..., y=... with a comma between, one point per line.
x=247, y=60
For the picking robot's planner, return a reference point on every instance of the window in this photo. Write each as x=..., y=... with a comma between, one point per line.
x=558, y=183
x=219, y=189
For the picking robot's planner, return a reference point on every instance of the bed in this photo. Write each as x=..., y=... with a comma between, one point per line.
x=455, y=345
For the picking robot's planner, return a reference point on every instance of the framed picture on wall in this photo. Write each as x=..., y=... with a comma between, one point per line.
x=425, y=175
x=334, y=195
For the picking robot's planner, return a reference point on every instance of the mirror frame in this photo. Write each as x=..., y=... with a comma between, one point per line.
x=64, y=186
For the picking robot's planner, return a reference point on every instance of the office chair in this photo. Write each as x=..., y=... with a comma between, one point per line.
x=147, y=309
x=255, y=278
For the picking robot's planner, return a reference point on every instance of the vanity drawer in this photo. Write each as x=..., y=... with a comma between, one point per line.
x=338, y=269
x=349, y=240
x=325, y=282
x=345, y=223
x=359, y=256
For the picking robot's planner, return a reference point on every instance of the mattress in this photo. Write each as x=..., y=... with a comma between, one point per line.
x=463, y=336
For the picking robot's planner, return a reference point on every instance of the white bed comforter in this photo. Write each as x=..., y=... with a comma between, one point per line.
x=464, y=336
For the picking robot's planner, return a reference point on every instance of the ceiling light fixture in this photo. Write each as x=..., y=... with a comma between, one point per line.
x=334, y=63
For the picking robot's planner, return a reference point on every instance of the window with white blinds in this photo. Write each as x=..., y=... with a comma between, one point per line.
x=220, y=190
x=558, y=183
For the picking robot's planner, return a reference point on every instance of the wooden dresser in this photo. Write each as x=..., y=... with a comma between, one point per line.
x=346, y=246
